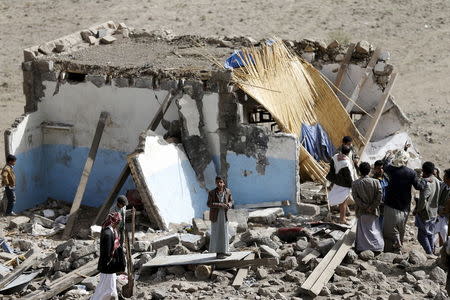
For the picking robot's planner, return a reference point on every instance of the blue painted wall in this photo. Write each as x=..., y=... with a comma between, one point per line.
x=55, y=171
x=248, y=186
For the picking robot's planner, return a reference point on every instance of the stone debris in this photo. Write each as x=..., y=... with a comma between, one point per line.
x=265, y=216
x=107, y=40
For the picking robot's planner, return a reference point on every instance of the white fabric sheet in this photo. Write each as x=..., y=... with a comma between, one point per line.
x=338, y=194
x=106, y=288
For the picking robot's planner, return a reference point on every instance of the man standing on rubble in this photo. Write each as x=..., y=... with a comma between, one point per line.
x=121, y=208
x=219, y=201
x=398, y=198
x=367, y=193
x=348, y=142
x=9, y=181
x=378, y=174
x=444, y=208
x=341, y=174
x=427, y=208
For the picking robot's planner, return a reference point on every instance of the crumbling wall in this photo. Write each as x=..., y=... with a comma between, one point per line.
x=259, y=166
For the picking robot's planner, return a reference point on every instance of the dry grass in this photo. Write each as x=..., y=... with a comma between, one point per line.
x=294, y=92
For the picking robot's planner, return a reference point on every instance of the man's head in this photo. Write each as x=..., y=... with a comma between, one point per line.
x=364, y=168
x=345, y=150
x=113, y=219
x=220, y=183
x=347, y=141
x=11, y=160
x=447, y=177
x=122, y=201
x=378, y=168
x=427, y=169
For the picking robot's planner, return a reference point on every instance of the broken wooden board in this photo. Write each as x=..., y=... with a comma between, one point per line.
x=31, y=256
x=343, y=67
x=193, y=259
x=104, y=117
x=263, y=204
x=325, y=270
x=242, y=272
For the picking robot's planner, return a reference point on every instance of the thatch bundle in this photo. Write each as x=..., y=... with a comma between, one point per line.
x=294, y=92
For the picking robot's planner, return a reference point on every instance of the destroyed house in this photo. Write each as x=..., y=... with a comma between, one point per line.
x=178, y=118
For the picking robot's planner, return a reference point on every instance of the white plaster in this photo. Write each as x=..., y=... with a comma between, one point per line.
x=171, y=181
x=27, y=135
x=370, y=93
x=283, y=146
x=213, y=143
x=211, y=112
x=191, y=115
x=131, y=111
x=377, y=150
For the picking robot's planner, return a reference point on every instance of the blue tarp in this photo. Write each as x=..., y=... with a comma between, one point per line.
x=317, y=142
x=235, y=60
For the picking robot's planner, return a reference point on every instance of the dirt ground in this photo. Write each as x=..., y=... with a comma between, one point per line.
x=417, y=32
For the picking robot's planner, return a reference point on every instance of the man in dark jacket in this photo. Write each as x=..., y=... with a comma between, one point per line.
x=398, y=199
x=219, y=201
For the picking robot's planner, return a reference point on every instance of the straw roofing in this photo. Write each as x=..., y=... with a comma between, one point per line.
x=294, y=92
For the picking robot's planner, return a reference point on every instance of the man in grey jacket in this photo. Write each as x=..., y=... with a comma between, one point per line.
x=426, y=210
x=367, y=193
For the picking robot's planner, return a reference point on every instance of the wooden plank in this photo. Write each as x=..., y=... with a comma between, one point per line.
x=355, y=94
x=312, y=278
x=337, y=259
x=193, y=259
x=126, y=171
x=242, y=273
x=343, y=67
x=264, y=204
x=378, y=112
x=31, y=257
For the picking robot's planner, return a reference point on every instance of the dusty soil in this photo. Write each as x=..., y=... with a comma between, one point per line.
x=416, y=32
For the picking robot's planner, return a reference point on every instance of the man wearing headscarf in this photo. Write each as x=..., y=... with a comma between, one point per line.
x=398, y=198
x=121, y=207
x=111, y=260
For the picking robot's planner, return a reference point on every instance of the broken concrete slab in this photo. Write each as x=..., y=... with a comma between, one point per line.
x=200, y=226
x=37, y=219
x=192, y=241
x=266, y=251
x=240, y=216
x=162, y=171
x=18, y=222
x=307, y=209
x=265, y=216
x=169, y=240
x=142, y=246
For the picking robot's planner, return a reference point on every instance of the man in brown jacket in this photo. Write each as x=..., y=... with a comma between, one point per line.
x=219, y=201
x=9, y=181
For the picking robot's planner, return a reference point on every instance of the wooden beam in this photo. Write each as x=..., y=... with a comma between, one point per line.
x=378, y=112
x=264, y=204
x=324, y=264
x=126, y=171
x=31, y=257
x=343, y=67
x=326, y=275
x=242, y=273
x=355, y=94
x=104, y=116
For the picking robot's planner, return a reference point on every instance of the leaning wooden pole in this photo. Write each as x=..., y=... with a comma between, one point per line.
x=85, y=175
x=126, y=169
x=378, y=112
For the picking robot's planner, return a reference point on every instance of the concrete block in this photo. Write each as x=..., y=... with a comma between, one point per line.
x=142, y=246
x=97, y=80
x=266, y=251
x=92, y=40
x=144, y=82
x=60, y=47
x=192, y=241
x=100, y=33
x=385, y=56
x=107, y=39
x=43, y=221
x=200, y=226
x=121, y=82
x=18, y=222
x=363, y=47
x=47, y=48
x=169, y=240
x=85, y=34
x=83, y=251
x=240, y=216
x=28, y=55
x=45, y=65
x=307, y=209
x=265, y=216
x=163, y=251
x=325, y=245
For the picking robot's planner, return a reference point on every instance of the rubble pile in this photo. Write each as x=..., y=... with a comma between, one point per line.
x=297, y=243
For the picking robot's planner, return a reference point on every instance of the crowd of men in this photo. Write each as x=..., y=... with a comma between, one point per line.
x=382, y=195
